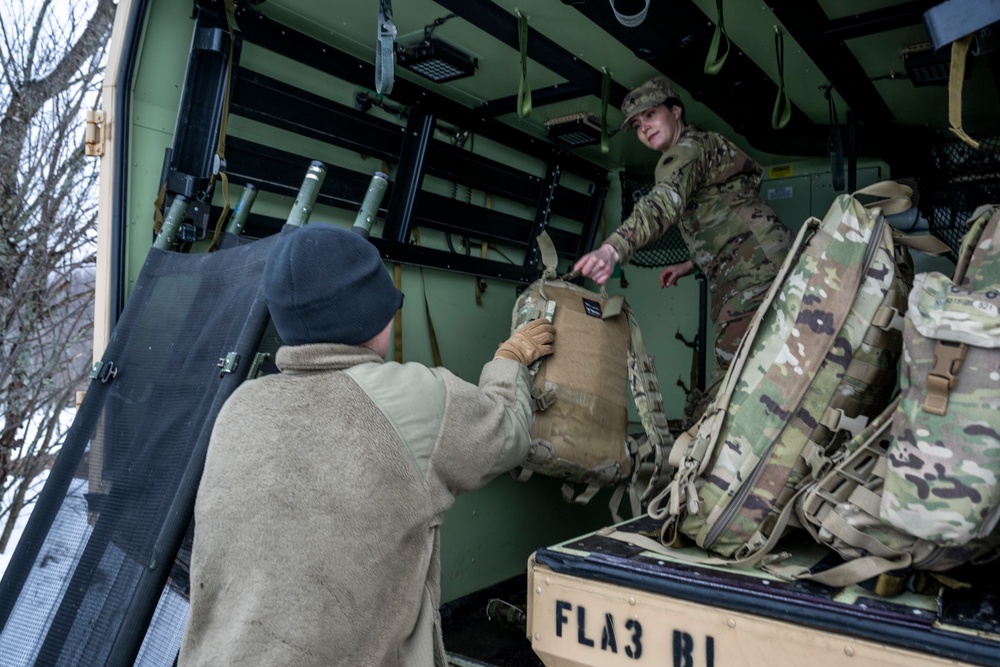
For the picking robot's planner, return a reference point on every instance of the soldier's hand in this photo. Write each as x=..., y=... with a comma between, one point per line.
x=598, y=264
x=675, y=272
x=530, y=342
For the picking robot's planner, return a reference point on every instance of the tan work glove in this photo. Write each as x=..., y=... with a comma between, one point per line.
x=528, y=343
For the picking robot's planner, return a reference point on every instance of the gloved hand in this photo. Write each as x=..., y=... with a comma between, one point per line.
x=530, y=342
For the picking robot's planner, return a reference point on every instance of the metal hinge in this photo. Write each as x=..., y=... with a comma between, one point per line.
x=103, y=371
x=94, y=132
x=228, y=364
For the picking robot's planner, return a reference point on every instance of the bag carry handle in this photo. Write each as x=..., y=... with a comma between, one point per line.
x=896, y=197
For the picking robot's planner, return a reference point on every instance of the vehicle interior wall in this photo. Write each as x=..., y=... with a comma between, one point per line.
x=487, y=535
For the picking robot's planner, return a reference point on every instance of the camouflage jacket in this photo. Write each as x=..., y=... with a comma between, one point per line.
x=709, y=187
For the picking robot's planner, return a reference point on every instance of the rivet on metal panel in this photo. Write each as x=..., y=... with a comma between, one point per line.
x=539, y=590
x=731, y=622
x=849, y=651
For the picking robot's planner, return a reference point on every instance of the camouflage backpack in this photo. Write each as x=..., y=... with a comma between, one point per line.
x=817, y=362
x=921, y=488
x=579, y=429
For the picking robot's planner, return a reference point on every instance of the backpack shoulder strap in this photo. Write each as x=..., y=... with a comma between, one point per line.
x=648, y=399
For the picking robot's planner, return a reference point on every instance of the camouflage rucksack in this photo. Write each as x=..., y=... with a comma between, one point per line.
x=920, y=488
x=579, y=429
x=818, y=361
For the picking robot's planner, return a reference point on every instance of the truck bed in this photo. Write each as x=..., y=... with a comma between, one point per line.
x=596, y=600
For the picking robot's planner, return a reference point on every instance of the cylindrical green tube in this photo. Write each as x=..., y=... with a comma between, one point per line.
x=171, y=223
x=369, y=206
x=238, y=220
x=308, y=193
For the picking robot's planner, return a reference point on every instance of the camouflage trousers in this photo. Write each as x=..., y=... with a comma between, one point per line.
x=734, y=320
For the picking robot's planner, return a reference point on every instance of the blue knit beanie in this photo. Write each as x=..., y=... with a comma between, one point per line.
x=324, y=284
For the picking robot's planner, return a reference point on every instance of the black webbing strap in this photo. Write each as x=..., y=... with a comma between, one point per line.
x=385, y=48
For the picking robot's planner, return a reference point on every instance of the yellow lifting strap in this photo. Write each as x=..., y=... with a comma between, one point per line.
x=959, y=50
x=714, y=60
x=782, y=111
x=435, y=350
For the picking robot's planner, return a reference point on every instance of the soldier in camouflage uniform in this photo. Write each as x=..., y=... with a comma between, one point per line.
x=709, y=187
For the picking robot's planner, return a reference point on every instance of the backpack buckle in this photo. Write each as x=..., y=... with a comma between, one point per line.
x=948, y=358
x=542, y=400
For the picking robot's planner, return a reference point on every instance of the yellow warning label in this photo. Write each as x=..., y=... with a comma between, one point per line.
x=783, y=171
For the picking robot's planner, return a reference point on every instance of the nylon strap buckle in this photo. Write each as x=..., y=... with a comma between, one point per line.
x=948, y=358
x=542, y=400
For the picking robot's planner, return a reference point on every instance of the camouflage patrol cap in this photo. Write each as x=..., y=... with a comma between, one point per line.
x=656, y=91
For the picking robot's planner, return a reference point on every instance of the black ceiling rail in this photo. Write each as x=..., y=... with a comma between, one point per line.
x=273, y=36
x=501, y=24
x=675, y=38
x=806, y=22
x=539, y=98
x=878, y=20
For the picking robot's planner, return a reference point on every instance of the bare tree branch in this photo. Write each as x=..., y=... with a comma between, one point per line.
x=51, y=70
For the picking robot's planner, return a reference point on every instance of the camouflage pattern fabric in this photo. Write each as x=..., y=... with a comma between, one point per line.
x=918, y=489
x=779, y=413
x=841, y=511
x=943, y=482
x=579, y=428
x=709, y=188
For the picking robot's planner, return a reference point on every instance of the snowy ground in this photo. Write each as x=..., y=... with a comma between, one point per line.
x=16, y=535
x=45, y=586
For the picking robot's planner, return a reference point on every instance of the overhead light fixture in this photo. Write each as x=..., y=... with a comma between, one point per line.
x=436, y=59
x=578, y=129
x=927, y=67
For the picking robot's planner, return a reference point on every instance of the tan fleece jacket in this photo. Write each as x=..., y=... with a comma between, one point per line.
x=318, y=514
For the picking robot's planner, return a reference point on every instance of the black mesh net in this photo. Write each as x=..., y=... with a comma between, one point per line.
x=100, y=575
x=964, y=179
x=668, y=249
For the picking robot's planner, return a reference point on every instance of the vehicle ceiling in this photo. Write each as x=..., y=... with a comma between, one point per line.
x=853, y=45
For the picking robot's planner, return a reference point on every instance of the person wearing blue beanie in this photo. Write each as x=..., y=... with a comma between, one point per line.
x=325, y=485
x=324, y=284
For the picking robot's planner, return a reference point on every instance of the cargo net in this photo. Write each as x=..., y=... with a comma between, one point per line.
x=964, y=179
x=100, y=574
x=668, y=249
